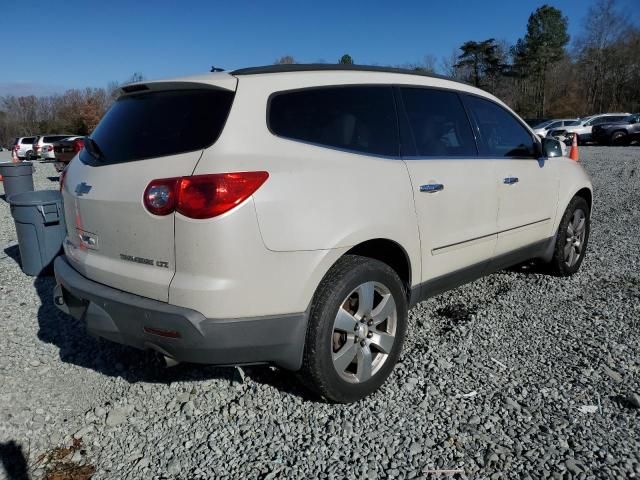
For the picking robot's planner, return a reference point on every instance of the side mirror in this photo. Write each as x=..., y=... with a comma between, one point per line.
x=551, y=147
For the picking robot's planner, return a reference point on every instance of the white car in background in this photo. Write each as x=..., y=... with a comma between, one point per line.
x=583, y=129
x=23, y=147
x=543, y=128
x=291, y=214
x=43, y=146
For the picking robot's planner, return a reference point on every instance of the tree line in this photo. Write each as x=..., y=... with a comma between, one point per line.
x=542, y=75
x=76, y=111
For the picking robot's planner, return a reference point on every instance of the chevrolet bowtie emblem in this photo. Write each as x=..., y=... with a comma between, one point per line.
x=82, y=188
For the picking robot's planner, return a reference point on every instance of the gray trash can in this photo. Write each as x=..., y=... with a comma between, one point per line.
x=16, y=177
x=39, y=220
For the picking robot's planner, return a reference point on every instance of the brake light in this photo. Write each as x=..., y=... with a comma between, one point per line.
x=201, y=196
x=49, y=148
x=78, y=144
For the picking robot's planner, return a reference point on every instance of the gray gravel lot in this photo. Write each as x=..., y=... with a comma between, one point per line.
x=518, y=375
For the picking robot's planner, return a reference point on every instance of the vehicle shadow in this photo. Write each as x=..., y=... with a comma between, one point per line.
x=77, y=347
x=13, y=461
x=13, y=252
x=53, y=179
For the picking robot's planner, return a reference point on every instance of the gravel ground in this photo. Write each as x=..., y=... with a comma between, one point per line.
x=518, y=375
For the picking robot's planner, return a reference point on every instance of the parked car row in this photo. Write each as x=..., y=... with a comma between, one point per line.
x=59, y=149
x=605, y=129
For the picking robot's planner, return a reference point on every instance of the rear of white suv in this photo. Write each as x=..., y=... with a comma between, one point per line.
x=291, y=215
x=43, y=146
x=23, y=146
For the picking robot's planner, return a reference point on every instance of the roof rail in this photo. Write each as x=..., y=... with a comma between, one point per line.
x=323, y=67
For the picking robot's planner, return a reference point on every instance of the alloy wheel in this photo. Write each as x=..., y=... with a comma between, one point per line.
x=364, y=332
x=576, y=232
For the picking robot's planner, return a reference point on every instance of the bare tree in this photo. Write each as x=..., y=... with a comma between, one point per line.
x=286, y=60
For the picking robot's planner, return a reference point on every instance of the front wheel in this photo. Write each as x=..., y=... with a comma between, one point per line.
x=572, y=238
x=356, y=329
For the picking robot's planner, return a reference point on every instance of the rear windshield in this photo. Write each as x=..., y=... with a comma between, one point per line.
x=53, y=138
x=28, y=141
x=157, y=124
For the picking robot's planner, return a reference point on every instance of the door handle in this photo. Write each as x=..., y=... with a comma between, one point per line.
x=511, y=180
x=432, y=188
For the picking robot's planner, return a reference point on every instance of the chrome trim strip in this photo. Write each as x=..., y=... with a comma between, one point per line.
x=464, y=243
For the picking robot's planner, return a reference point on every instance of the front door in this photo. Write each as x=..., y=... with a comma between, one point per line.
x=527, y=184
x=455, y=191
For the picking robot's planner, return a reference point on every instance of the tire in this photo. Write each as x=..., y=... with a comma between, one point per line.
x=618, y=138
x=343, y=326
x=571, y=239
x=29, y=155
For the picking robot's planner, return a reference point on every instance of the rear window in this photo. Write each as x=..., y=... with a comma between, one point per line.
x=53, y=138
x=28, y=140
x=359, y=118
x=161, y=123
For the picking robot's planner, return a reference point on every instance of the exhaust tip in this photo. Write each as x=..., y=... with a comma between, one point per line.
x=169, y=362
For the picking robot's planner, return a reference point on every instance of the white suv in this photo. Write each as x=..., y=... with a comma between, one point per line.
x=43, y=146
x=23, y=146
x=292, y=214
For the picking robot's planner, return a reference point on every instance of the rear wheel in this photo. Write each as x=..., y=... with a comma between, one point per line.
x=619, y=138
x=572, y=238
x=29, y=155
x=356, y=329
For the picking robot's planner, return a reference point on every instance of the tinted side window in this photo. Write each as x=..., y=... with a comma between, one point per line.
x=502, y=135
x=554, y=125
x=28, y=141
x=438, y=122
x=571, y=123
x=356, y=118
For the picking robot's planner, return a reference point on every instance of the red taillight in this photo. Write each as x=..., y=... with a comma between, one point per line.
x=78, y=144
x=201, y=196
x=49, y=148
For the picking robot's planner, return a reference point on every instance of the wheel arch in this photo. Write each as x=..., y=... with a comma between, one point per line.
x=389, y=252
x=587, y=194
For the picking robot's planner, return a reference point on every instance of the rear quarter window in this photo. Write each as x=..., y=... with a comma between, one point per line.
x=160, y=123
x=355, y=118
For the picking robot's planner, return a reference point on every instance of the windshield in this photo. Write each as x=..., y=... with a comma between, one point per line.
x=544, y=124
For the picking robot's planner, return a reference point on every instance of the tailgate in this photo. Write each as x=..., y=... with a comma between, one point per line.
x=111, y=237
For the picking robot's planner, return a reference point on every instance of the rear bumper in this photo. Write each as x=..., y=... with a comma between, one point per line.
x=144, y=323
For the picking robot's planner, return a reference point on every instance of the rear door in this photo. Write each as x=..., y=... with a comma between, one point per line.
x=527, y=186
x=455, y=190
x=159, y=131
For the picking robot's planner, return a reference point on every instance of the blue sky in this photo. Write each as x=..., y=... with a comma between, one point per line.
x=47, y=48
